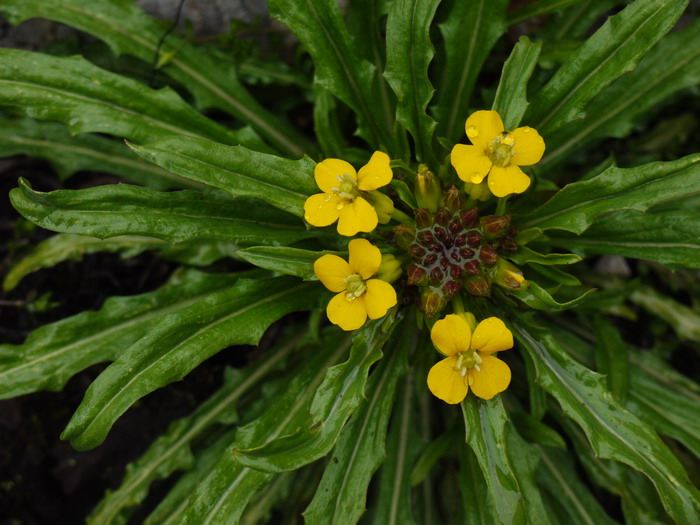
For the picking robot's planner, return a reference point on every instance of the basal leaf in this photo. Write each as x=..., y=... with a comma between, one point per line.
x=109, y=211
x=577, y=205
x=178, y=343
x=52, y=354
x=613, y=50
x=612, y=431
x=511, y=96
x=240, y=171
x=289, y=261
x=469, y=31
x=128, y=30
x=409, y=51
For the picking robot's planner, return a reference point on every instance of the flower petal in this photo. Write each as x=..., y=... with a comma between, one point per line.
x=357, y=216
x=491, y=335
x=322, y=209
x=327, y=172
x=483, y=126
x=445, y=382
x=451, y=335
x=506, y=180
x=364, y=258
x=380, y=296
x=493, y=378
x=376, y=173
x=332, y=270
x=470, y=162
x=528, y=146
x=348, y=315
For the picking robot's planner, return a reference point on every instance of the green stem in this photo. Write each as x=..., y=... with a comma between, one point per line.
x=401, y=165
x=400, y=216
x=457, y=304
x=501, y=206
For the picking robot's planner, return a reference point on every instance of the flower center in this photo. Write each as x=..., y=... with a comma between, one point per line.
x=355, y=286
x=501, y=149
x=467, y=360
x=347, y=187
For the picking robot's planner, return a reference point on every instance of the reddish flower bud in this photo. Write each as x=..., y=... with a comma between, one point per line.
x=443, y=217
x=472, y=267
x=424, y=218
x=416, y=275
x=508, y=245
x=404, y=234
x=461, y=241
x=416, y=252
x=444, y=263
x=450, y=288
x=432, y=301
x=435, y=247
x=495, y=226
x=469, y=218
x=453, y=198
x=454, y=227
x=474, y=238
x=436, y=276
x=430, y=259
x=478, y=285
x=488, y=254
x=467, y=253
x=456, y=272
x=440, y=233
x=426, y=238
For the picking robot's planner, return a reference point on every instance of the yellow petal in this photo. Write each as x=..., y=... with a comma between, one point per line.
x=506, y=180
x=364, y=258
x=332, y=270
x=451, y=335
x=491, y=335
x=322, y=209
x=327, y=172
x=493, y=378
x=445, y=382
x=380, y=296
x=357, y=216
x=348, y=315
x=482, y=127
x=528, y=146
x=470, y=163
x=376, y=173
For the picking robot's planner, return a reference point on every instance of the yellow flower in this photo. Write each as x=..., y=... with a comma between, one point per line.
x=359, y=296
x=342, y=199
x=469, y=362
x=497, y=153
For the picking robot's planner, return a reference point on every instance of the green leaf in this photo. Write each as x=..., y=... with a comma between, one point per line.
x=86, y=98
x=577, y=205
x=684, y=321
x=534, y=431
x=335, y=401
x=668, y=238
x=671, y=66
x=128, y=30
x=51, y=141
x=172, y=451
x=539, y=8
x=54, y=353
x=469, y=31
x=319, y=26
x=540, y=299
x=612, y=357
x=525, y=255
x=613, y=50
x=472, y=485
x=511, y=96
x=326, y=126
x=408, y=55
x=613, y=432
x=288, y=261
x=240, y=171
x=342, y=493
x=178, y=343
x=108, y=211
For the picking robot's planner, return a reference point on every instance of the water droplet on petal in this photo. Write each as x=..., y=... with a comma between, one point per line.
x=327, y=197
x=339, y=206
x=472, y=132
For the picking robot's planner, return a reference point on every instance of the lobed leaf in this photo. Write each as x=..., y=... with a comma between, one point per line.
x=576, y=206
x=613, y=50
x=178, y=343
x=128, y=30
x=112, y=210
x=240, y=171
x=54, y=353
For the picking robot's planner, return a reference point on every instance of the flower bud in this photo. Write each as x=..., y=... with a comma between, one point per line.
x=488, y=254
x=478, y=192
x=474, y=238
x=450, y=288
x=427, y=189
x=443, y=217
x=436, y=276
x=495, y=226
x=509, y=276
x=470, y=319
x=404, y=235
x=416, y=251
x=478, y=285
x=453, y=198
x=416, y=275
x=382, y=204
x=424, y=219
x=432, y=301
x=469, y=217
x=389, y=269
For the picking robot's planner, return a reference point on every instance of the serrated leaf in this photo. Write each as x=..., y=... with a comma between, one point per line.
x=112, y=210
x=319, y=26
x=86, y=98
x=51, y=141
x=240, y=171
x=577, y=205
x=613, y=50
x=342, y=493
x=408, y=55
x=52, y=354
x=538, y=298
x=128, y=30
x=511, y=95
x=669, y=238
x=335, y=401
x=613, y=432
x=289, y=261
x=525, y=255
x=469, y=31
x=178, y=343
x=671, y=66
